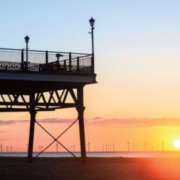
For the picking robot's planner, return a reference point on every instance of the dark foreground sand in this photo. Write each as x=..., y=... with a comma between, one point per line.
x=96, y=168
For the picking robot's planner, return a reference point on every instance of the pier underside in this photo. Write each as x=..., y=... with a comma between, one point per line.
x=47, y=93
x=43, y=82
x=21, y=83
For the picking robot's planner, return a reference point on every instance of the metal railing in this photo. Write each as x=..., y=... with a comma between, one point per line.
x=46, y=61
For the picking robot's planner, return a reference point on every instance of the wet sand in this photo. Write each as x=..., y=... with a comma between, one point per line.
x=96, y=168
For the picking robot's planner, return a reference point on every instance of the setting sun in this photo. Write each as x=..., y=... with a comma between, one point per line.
x=177, y=143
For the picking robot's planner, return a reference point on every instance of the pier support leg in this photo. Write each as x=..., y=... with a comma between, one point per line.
x=31, y=130
x=80, y=109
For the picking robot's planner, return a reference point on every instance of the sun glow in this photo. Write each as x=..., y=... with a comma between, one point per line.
x=176, y=143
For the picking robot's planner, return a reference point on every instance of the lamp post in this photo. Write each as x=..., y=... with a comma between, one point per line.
x=92, y=21
x=26, y=40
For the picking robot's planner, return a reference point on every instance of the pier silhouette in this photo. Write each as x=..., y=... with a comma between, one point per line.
x=35, y=80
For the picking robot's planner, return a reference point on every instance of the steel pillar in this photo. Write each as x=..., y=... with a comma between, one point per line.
x=80, y=108
x=31, y=130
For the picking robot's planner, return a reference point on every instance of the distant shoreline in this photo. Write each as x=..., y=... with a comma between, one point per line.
x=125, y=154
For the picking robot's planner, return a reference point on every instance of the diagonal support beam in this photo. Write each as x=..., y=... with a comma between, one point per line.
x=73, y=95
x=51, y=97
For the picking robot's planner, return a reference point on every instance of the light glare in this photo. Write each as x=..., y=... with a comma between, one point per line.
x=177, y=143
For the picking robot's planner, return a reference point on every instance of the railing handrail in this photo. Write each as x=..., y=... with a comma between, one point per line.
x=75, y=58
x=76, y=63
x=86, y=54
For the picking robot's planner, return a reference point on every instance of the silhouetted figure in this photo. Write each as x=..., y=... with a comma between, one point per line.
x=58, y=56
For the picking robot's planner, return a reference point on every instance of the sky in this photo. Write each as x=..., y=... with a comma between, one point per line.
x=137, y=97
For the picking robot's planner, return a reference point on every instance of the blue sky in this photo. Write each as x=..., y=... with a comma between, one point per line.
x=136, y=44
x=133, y=38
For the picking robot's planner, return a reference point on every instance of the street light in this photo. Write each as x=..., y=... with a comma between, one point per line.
x=27, y=41
x=92, y=21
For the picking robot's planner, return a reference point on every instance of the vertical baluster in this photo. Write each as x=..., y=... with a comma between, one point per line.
x=78, y=65
x=64, y=65
x=46, y=66
x=22, y=60
x=92, y=65
x=70, y=66
x=46, y=57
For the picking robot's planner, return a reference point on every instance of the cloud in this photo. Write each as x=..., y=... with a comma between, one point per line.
x=46, y=120
x=112, y=122
x=8, y=122
x=56, y=121
x=96, y=118
x=133, y=122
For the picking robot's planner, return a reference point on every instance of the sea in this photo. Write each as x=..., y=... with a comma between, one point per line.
x=124, y=154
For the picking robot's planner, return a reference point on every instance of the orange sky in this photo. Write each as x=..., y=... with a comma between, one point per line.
x=99, y=132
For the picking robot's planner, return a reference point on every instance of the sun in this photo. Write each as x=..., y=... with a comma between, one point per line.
x=176, y=143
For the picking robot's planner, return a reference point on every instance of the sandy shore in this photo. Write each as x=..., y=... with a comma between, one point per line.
x=96, y=168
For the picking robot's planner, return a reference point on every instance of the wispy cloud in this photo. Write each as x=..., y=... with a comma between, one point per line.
x=96, y=118
x=47, y=120
x=7, y=122
x=112, y=122
x=133, y=122
x=56, y=121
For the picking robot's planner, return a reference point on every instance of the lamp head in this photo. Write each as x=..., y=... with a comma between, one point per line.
x=26, y=39
x=92, y=21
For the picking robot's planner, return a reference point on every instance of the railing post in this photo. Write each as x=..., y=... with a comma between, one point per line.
x=65, y=65
x=78, y=65
x=22, y=60
x=70, y=66
x=92, y=63
x=46, y=57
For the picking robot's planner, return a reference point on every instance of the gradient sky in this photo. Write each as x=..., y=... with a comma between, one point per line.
x=137, y=61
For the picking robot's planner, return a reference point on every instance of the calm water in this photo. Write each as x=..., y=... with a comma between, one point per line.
x=97, y=154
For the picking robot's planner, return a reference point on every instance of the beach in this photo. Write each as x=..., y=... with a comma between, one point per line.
x=14, y=168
